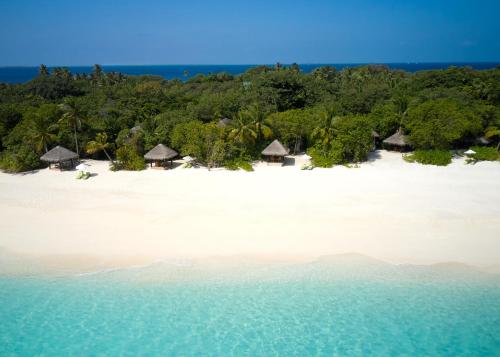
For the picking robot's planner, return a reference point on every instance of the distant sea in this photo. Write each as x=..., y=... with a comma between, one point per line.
x=24, y=74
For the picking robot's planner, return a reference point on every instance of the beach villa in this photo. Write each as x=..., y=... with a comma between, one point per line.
x=275, y=152
x=159, y=155
x=61, y=157
x=397, y=142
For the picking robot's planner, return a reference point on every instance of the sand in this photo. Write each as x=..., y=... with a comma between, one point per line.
x=387, y=208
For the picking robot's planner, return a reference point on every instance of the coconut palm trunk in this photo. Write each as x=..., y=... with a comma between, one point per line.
x=76, y=140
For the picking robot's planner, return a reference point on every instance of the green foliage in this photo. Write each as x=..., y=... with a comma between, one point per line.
x=327, y=156
x=346, y=139
x=127, y=158
x=238, y=163
x=385, y=119
x=100, y=144
x=355, y=136
x=19, y=159
x=327, y=111
x=294, y=127
x=430, y=157
x=484, y=153
x=440, y=124
x=52, y=87
x=201, y=141
x=42, y=124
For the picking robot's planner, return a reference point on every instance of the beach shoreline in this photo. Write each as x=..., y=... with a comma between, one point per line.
x=387, y=208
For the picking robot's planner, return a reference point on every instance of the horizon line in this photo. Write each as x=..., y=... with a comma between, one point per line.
x=253, y=64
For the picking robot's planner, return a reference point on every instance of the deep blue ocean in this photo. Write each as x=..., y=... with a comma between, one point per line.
x=24, y=74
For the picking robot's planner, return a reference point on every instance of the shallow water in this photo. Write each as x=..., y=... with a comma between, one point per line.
x=325, y=308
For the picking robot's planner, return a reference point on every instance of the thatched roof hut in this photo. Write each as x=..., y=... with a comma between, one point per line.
x=160, y=153
x=59, y=155
x=397, y=140
x=224, y=123
x=275, y=151
x=375, y=135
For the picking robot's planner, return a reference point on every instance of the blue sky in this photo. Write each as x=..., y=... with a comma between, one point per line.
x=73, y=32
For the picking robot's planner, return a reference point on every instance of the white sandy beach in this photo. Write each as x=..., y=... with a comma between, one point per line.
x=386, y=208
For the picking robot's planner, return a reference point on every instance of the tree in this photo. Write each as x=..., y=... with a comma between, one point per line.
x=325, y=133
x=493, y=132
x=97, y=74
x=100, y=144
x=73, y=117
x=202, y=141
x=42, y=126
x=243, y=131
x=258, y=119
x=293, y=127
x=385, y=119
x=440, y=124
x=43, y=70
x=355, y=137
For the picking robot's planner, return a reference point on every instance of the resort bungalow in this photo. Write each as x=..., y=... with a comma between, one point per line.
x=159, y=155
x=224, y=123
x=398, y=142
x=275, y=152
x=61, y=157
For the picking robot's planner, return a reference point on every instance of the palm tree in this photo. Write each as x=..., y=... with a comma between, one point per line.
x=57, y=72
x=243, y=131
x=73, y=117
x=258, y=119
x=326, y=132
x=100, y=144
x=41, y=132
x=97, y=74
x=65, y=73
x=491, y=132
x=43, y=70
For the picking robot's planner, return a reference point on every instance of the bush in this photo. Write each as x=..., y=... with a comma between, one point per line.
x=484, y=154
x=128, y=159
x=21, y=159
x=321, y=157
x=430, y=157
x=238, y=163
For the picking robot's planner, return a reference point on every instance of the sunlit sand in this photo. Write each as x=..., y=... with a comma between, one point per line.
x=387, y=209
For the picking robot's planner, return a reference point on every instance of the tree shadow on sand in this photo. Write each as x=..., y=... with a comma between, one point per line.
x=373, y=156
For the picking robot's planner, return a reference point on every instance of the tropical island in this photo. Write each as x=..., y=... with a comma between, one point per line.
x=337, y=117
x=359, y=197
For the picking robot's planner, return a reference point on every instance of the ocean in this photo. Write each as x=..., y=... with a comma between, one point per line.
x=24, y=74
x=324, y=308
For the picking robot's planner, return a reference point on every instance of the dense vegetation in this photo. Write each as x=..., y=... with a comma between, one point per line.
x=430, y=157
x=328, y=112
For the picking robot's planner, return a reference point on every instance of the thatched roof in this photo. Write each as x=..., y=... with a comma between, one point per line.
x=224, y=122
x=59, y=154
x=375, y=134
x=275, y=149
x=160, y=152
x=397, y=139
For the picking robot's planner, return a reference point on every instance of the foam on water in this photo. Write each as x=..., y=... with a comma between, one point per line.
x=334, y=306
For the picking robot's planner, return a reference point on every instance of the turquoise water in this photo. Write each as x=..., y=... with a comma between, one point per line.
x=305, y=310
